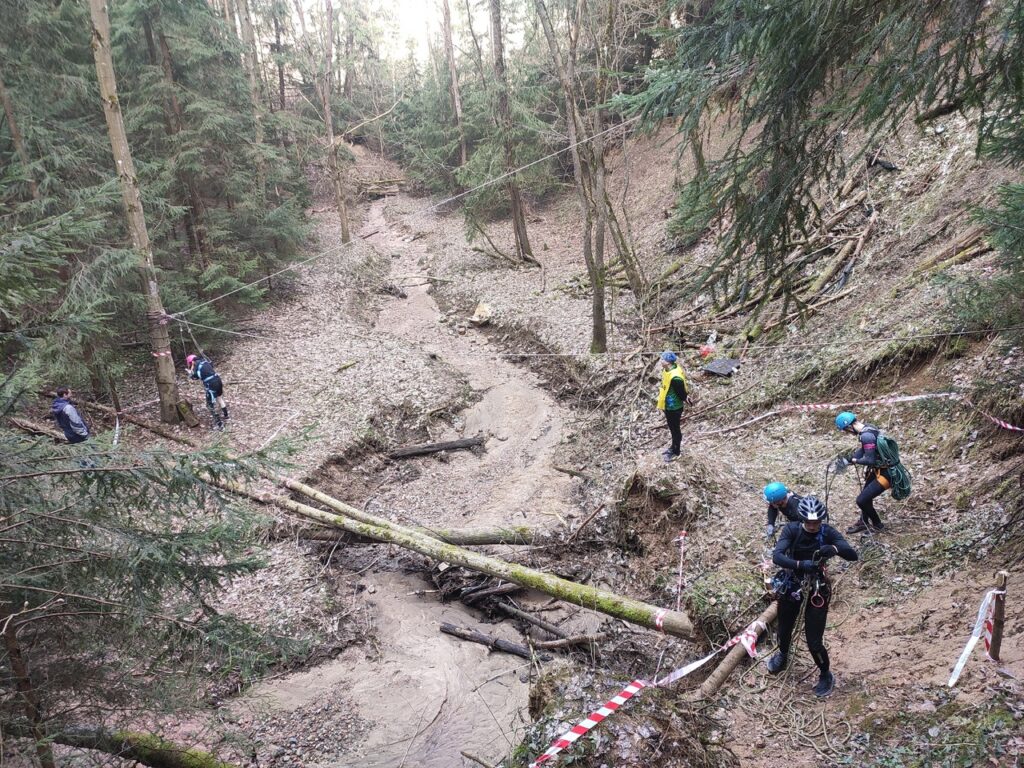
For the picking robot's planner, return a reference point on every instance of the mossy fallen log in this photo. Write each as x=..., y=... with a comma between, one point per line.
x=139, y=746
x=618, y=606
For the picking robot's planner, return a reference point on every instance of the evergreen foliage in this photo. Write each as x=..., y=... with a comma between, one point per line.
x=190, y=120
x=110, y=561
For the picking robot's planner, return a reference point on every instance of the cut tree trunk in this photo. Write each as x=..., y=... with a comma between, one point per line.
x=494, y=643
x=160, y=342
x=422, y=450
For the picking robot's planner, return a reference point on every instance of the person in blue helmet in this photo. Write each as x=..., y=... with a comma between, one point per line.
x=672, y=399
x=780, y=499
x=876, y=476
x=802, y=552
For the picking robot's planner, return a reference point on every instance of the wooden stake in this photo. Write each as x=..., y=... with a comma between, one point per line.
x=998, y=616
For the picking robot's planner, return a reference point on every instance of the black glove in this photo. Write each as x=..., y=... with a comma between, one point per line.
x=828, y=550
x=769, y=530
x=808, y=566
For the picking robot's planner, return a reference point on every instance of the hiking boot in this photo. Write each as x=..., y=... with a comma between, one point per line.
x=669, y=456
x=858, y=527
x=826, y=683
x=777, y=662
x=219, y=426
x=876, y=527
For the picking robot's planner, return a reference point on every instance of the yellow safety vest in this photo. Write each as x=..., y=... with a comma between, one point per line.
x=666, y=382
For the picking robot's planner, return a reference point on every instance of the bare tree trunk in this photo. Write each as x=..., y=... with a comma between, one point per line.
x=159, y=340
x=23, y=682
x=523, y=250
x=599, y=328
x=350, y=76
x=332, y=149
x=476, y=45
x=255, y=90
x=583, y=165
x=279, y=50
x=453, y=80
x=18, y=139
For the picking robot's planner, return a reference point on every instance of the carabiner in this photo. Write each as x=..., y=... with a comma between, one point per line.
x=816, y=598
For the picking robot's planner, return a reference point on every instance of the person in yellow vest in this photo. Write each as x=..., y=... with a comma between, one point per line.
x=672, y=400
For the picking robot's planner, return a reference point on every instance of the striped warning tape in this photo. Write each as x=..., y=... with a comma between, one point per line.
x=569, y=737
x=748, y=638
x=809, y=407
x=161, y=354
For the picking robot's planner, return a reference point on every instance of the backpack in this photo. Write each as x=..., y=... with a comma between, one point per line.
x=889, y=455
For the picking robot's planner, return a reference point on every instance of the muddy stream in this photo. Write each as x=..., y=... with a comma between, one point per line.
x=427, y=697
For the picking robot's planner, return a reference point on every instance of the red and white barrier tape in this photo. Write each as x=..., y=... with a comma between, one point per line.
x=748, y=638
x=161, y=354
x=808, y=407
x=979, y=627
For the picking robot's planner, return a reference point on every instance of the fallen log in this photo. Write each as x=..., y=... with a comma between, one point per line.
x=515, y=613
x=422, y=450
x=465, y=537
x=501, y=589
x=568, y=642
x=34, y=428
x=364, y=524
x=732, y=659
x=494, y=643
x=146, y=748
x=621, y=607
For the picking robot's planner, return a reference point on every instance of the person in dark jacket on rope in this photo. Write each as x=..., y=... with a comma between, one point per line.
x=672, y=399
x=67, y=417
x=876, y=476
x=202, y=369
x=802, y=550
x=780, y=499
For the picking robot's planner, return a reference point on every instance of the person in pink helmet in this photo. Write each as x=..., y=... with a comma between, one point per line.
x=202, y=369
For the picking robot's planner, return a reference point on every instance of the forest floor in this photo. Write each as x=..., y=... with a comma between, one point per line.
x=395, y=692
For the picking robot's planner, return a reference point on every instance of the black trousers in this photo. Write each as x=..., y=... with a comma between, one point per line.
x=866, y=500
x=814, y=626
x=673, y=418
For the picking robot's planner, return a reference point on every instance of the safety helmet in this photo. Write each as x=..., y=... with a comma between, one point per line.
x=669, y=356
x=775, y=492
x=812, y=510
x=189, y=360
x=845, y=419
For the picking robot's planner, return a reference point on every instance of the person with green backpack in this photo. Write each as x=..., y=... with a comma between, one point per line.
x=879, y=455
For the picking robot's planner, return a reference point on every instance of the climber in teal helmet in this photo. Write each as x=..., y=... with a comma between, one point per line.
x=780, y=499
x=876, y=475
